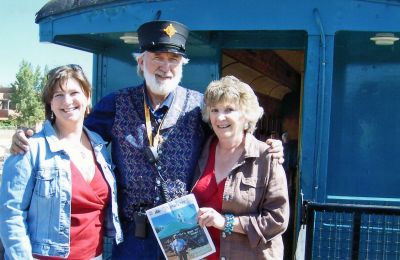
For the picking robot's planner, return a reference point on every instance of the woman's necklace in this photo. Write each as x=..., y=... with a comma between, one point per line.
x=87, y=166
x=80, y=155
x=82, y=149
x=70, y=147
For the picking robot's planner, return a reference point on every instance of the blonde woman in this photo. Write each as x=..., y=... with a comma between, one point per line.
x=240, y=188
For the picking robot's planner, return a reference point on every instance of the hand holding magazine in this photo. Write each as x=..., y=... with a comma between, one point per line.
x=177, y=231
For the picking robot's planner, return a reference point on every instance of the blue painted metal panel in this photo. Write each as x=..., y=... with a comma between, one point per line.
x=128, y=16
x=125, y=16
x=323, y=117
x=308, y=142
x=199, y=73
x=341, y=126
x=363, y=143
x=117, y=69
x=203, y=67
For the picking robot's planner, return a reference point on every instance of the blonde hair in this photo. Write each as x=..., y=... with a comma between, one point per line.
x=230, y=89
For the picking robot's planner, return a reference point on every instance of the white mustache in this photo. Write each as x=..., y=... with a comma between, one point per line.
x=163, y=87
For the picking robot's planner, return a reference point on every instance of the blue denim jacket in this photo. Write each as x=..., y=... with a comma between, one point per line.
x=35, y=201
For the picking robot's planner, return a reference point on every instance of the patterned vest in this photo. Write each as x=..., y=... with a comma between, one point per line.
x=139, y=181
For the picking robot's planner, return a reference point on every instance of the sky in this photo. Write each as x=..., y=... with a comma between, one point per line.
x=19, y=40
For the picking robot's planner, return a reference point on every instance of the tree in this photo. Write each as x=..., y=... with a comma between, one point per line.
x=27, y=95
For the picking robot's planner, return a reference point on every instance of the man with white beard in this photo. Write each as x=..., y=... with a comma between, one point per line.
x=157, y=133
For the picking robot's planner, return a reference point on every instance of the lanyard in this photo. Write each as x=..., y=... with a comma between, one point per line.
x=154, y=143
x=157, y=138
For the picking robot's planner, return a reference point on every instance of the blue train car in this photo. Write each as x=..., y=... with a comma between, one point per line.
x=342, y=58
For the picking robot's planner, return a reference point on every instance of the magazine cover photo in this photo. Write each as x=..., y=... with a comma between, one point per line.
x=177, y=230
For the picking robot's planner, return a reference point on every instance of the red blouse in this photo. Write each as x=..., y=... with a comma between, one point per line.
x=209, y=194
x=88, y=204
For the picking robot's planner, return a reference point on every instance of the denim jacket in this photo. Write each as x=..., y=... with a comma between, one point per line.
x=35, y=201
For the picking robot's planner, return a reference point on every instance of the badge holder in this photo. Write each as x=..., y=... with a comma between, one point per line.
x=151, y=154
x=140, y=224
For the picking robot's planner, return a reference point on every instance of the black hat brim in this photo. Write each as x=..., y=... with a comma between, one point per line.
x=163, y=48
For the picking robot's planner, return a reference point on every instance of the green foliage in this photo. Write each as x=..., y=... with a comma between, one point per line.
x=8, y=124
x=27, y=95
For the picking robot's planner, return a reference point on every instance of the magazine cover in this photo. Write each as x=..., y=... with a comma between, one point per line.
x=177, y=231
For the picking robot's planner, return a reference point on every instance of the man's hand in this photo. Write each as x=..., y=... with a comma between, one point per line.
x=20, y=141
x=276, y=149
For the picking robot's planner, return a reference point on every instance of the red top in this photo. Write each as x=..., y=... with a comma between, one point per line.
x=209, y=194
x=88, y=204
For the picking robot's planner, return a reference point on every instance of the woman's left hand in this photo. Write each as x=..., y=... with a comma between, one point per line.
x=209, y=217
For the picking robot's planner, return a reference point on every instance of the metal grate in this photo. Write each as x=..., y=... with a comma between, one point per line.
x=380, y=237
x=336, y=231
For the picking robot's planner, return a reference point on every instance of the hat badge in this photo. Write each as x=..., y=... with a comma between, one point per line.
x=170, y=30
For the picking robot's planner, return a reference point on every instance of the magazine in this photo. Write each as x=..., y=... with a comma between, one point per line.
x=177, y=231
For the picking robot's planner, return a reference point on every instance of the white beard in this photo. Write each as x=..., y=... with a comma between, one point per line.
x=161, y=88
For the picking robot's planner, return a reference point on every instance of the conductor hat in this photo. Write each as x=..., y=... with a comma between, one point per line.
x=163, y=36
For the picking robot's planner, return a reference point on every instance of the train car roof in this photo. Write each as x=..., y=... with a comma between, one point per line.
x=55, y=7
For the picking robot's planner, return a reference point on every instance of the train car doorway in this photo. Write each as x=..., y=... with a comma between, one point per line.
x=276, y=76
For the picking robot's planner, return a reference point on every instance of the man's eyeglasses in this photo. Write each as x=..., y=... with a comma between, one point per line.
x=170, y=63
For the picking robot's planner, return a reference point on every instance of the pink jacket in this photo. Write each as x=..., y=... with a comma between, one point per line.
x=256, y=192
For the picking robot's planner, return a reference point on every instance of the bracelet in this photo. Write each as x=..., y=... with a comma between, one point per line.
x=228, y=224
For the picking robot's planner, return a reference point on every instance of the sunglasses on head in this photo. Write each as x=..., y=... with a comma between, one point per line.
x=74, y=67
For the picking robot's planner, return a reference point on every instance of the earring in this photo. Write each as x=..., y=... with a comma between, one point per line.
x=246, y=126
x=52, y=116
x=87, y=111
